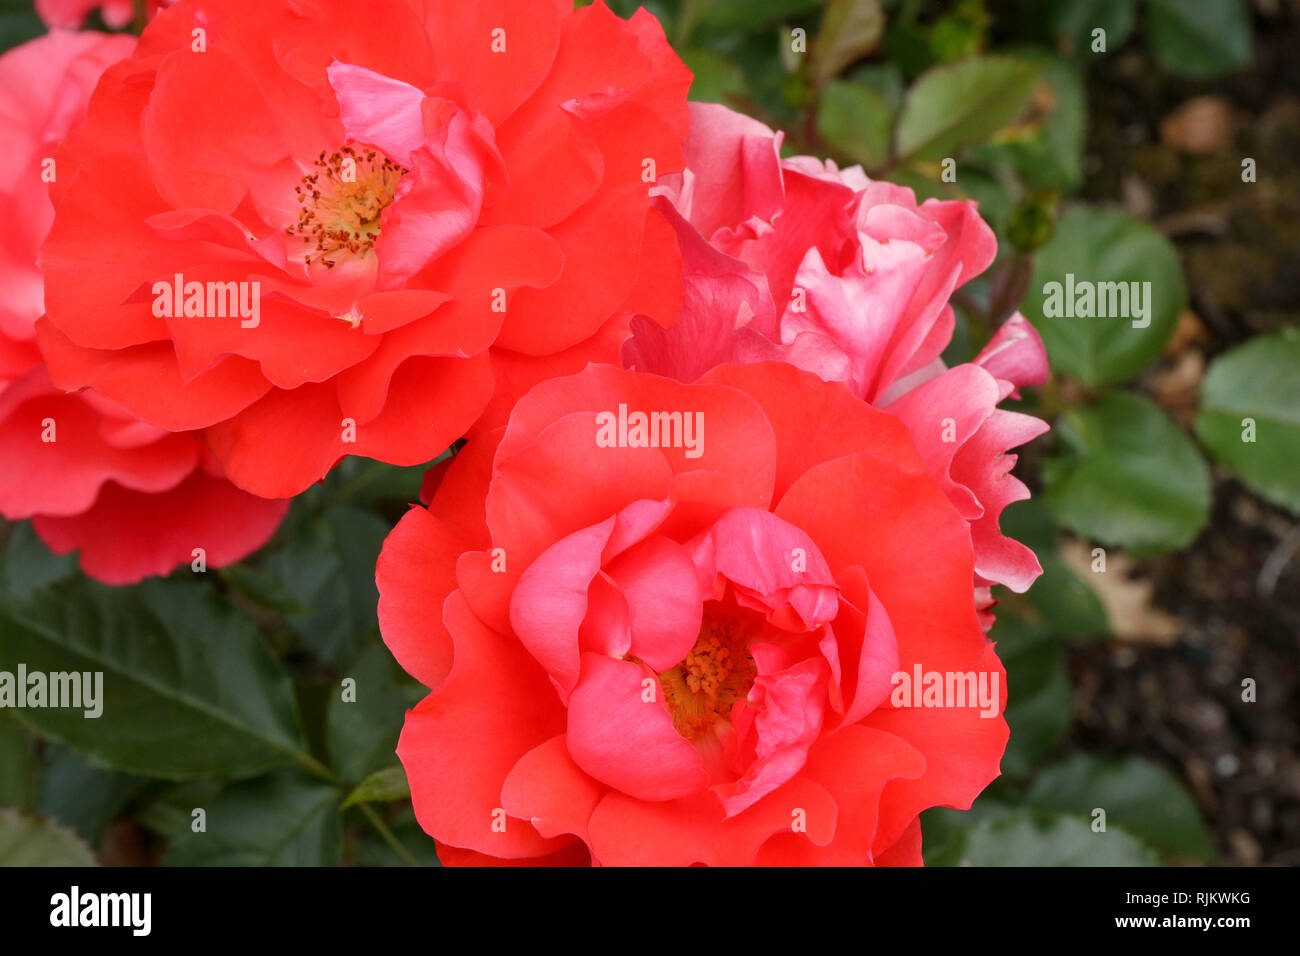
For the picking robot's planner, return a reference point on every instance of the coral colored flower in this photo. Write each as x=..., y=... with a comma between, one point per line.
x=134, y=499
x=423, y=208
x=797, y=261
x=688, y=652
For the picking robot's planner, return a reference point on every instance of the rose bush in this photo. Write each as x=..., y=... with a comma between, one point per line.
x=134, y=499
x=425, y=208
x=677, y=655
x=795, y=260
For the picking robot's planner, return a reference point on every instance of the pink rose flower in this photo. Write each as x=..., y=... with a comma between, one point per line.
x=72, y=13
x=798, y=261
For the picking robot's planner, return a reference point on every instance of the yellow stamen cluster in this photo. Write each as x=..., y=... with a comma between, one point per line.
x=715, y=673
x=342, y=202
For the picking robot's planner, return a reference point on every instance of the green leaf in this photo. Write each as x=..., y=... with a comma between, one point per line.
x=741, y=16
x=261, y=588
x=1068, y=606
x=170, y=812
x=362, y=483
x=1128, y=476
x=944, y=829
x=328, y=566
x=778, y=95
x=18, y=23
x=991, y=195
x=1138, y=797
x=18, y=764
x=373, y=850
x=960, y=33
x=1052, y=158
x=284, y=819
x=30, y=565
x=717, y=78
x=1038, y=692
x=84, y=797
x=850, y=30
x=883, y=77
x=1022, y=838
x=361, y=734
x=1072, y=21
x=189, y=689
x=907, y=45
x=1031, y=524
x=960, y=103
x=1204, y=38
x=1261, y=381
x=1102, y=246
x=34, y=841
x=855, y=120
x=382, y=786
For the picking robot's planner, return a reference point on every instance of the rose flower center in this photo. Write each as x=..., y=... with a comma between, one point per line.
x=717, y=672
x=341, y=203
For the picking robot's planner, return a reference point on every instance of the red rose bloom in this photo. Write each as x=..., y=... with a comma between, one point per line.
x=410, y=206
x=134, y=499
x=667, y=644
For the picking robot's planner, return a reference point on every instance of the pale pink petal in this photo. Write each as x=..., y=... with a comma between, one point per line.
x=378, y=110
